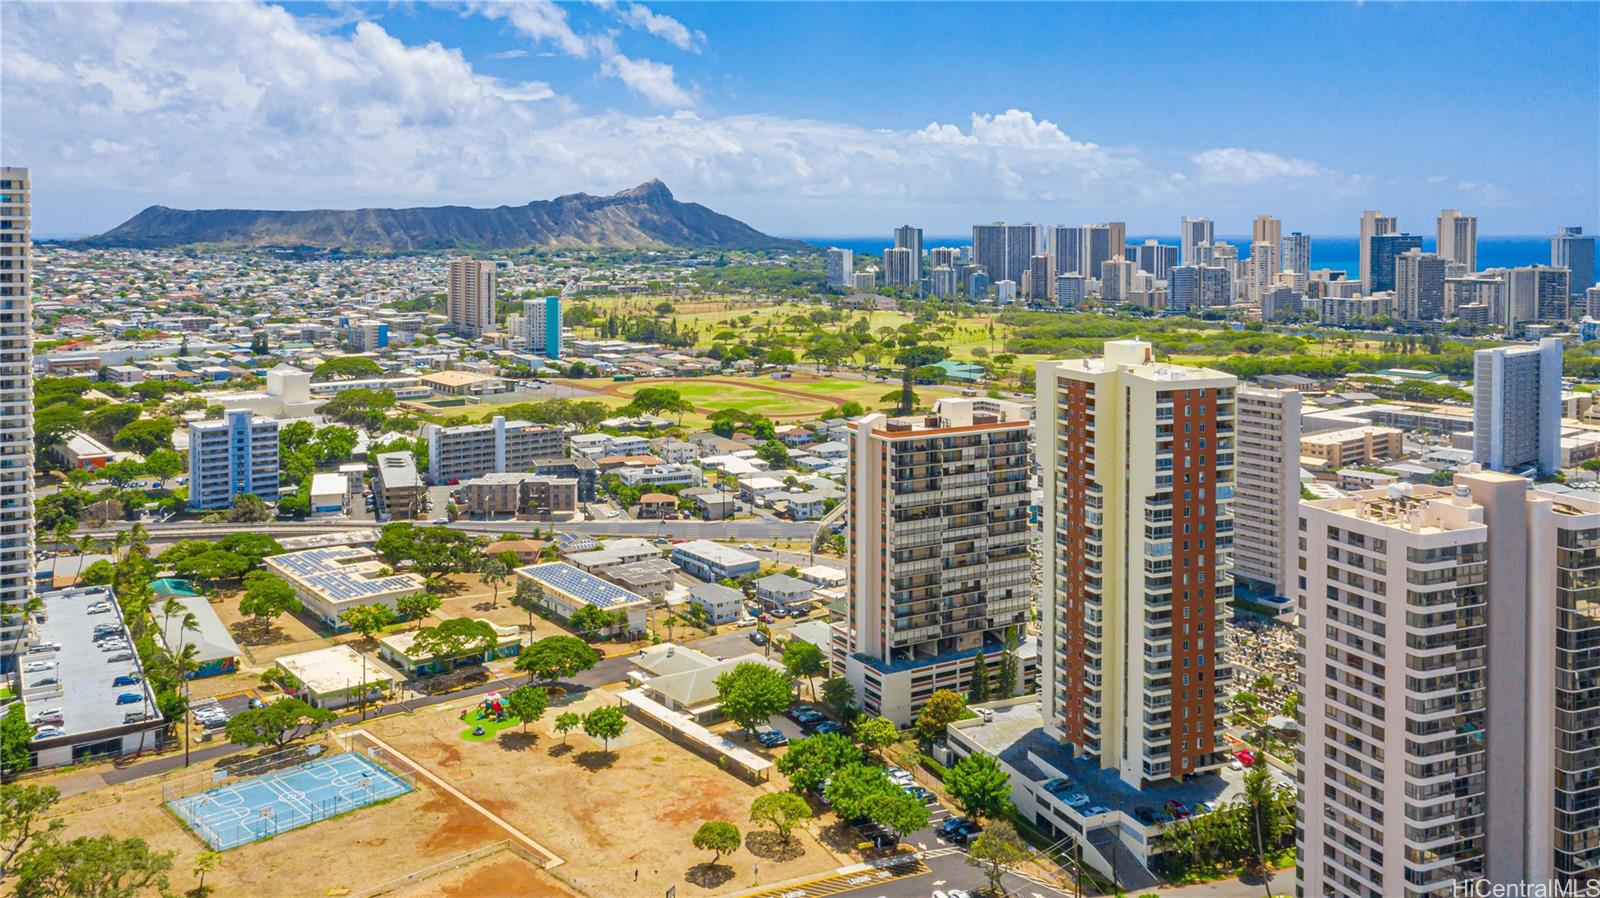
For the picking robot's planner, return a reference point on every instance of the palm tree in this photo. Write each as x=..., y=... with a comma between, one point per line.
x=118, y=543
x=185, y=662
x=138, y=538
x=32, y=605
x=169, y=609
x=495, y=573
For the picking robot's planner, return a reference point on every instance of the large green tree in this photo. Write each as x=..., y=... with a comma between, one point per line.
x=454, y=638
x=979, y=786
x=943, y=708
x=996, y=851
x=93, y=867
x=368, y=620
x=15, y=734
x=802, y=660
x=555, y=658
x=752, y=692
x=266, y=596
x=809, y=762
x=278, y=724
x=717, y=836
x=853, y=789
x=605, y=723
x=27, y=819
x=780, y=809
x=528, y=703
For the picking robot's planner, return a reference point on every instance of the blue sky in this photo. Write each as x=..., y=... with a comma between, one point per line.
x=817, y=118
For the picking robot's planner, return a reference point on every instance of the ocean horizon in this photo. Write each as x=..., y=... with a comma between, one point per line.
x=1340, y=253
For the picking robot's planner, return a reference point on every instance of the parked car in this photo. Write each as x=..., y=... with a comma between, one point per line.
x=921, y=794
x=49, y=732
x=42, y=713
x=55, y=719
x=772, y=739
x=826, y=726
x=99, y=609
x=958, y=830
x=802, y=713
x=1147, y=816
x=1076, y=800
x=45, y=681
x=32, y=666
x=1096, y=810
x=120, y=656
x=42, y=647
x=126, y=680
x=130, y=698
x=758, y=637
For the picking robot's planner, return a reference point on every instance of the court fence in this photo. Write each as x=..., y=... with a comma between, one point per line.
x=233, y=770
x=362, y=744
x=448, y=865
x=272, y=819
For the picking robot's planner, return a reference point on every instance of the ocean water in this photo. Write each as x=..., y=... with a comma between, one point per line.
x=1326, y=252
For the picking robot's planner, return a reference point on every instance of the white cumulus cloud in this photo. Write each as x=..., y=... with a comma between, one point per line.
x=1241, y=167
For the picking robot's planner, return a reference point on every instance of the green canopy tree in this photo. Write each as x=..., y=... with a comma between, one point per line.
x=417, y=606
x=566, y=722
x=556, y=658
x=15, y=734
x=349, y=367
x=910, y=359
x=899, y=811
x=854, y=788
x=809, y=762
x=26, y=819
x=368, y=620
x=278, y=724
x=877, y=734
x=266, y=596
x=996, y=851
x=802, y=660
x=943, y=708
x=840, y=696
x=453, y=638
x=782, y=810
x=979, y=786
x=93, y=867
x=528, y=703
x=717, y=836
x=605, y=723
x=752, y=692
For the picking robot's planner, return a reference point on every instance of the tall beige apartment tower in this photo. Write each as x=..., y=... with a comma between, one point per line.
x=1138, y=477
x=16, y=406
x=939, y=568
x=1266, y=254
x=1449, y=689
x=1458, y=238
x=1267, y=496
x=471, y=300
x=1373, y=224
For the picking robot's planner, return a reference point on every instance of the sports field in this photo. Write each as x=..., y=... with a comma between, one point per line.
x=789, y=400
x=262, y=806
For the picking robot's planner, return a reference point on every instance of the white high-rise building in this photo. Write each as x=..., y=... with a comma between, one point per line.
x=232, y=457
x=1516, y=406
x=1297, y=257
x=1138, y=485
x=471, y=296
x=841, y=268
x=1458, y=238
x=939, y=564
x=16, y=404
x=1447, y=706
x=1535, y=293
x=898, y=267
x=1193, y=233
x=1267, y=493
x=1373, y=224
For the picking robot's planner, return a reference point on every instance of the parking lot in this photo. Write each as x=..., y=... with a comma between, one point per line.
x=78, y=682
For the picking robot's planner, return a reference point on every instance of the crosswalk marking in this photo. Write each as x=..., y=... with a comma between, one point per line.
x=845, y=882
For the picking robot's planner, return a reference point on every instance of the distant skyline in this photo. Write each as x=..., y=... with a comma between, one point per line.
x=817, y=119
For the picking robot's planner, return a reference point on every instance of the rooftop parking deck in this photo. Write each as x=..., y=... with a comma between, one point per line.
x=84, y=674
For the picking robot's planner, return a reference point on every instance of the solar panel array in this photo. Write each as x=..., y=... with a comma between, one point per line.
x=323, y=570
x=559, y=575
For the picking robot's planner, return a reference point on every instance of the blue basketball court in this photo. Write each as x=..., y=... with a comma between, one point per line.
x=259, y=807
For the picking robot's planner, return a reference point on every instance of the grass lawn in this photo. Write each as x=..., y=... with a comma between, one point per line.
x=751, y=397
x=491, y=727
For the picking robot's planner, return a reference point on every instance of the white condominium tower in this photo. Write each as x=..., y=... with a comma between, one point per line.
x=1193, y=233
x=1138, y=473
x=1267, y=496
x=1516, y=406
x=1458, y=238
x=908, y=237
x=841, y=268
x=939, y=566
x=1448, y=689
x=1373, y=224
x=471, y=296
x=16, y=400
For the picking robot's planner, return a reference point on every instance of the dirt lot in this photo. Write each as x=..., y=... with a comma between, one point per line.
x=287, y=634
x=607, y=814
x=350, y=852
x=500, y=874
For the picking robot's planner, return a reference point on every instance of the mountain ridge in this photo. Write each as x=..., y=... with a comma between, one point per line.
x=644, y=215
